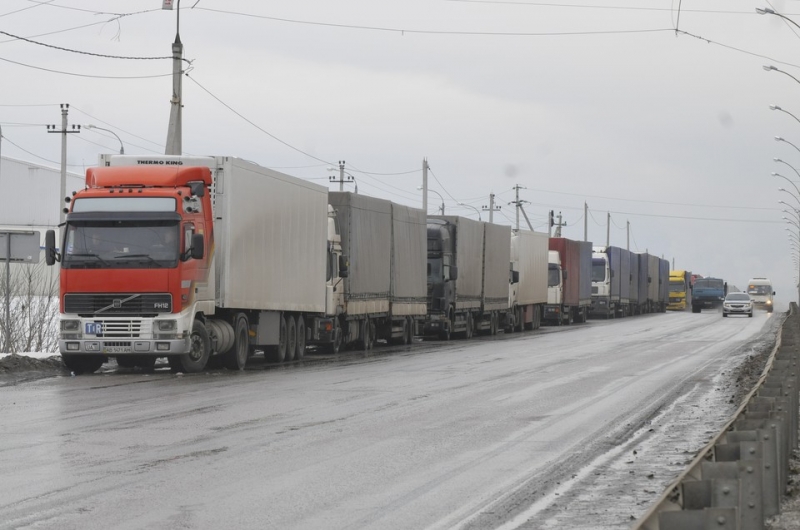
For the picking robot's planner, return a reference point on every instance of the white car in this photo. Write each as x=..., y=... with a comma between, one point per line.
x=737, y=304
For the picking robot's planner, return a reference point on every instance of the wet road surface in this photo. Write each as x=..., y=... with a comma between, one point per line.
x=466, y=434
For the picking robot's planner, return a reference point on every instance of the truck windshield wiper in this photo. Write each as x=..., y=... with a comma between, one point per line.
x=89, y=255
x=135, y=256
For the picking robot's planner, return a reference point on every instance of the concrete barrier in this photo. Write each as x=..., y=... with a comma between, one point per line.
x=738, y=479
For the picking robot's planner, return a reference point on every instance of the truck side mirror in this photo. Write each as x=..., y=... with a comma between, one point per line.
x=564, y=274
x=198, y=249
x=773, y=293
x=50, y=254
x=514, y=276
x=612, y=273
x=344, y=266
x=453, y=272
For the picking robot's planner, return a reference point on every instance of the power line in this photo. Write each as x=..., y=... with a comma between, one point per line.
x=60, y=48
x=6, y=139
x=583, y=195
x=583, y=6
x=403, y=31
x=85, y=75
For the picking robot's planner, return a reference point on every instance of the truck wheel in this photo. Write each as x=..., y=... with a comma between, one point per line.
x=291, y=338
x=410, y=330
x=300, y=346
x=82, y=364
x=236, y=357
x=470, y=323
x=336, y=345
x=199, y=349
x=447, y=332
x=570, y=318
x=366, y=335
x=277, y=353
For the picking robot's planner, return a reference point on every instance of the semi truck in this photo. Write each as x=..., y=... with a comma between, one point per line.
x=569, y=281
x=680, y=290
x=708, y=293
x=468, y=277
x=663, y=285
x=760, y=290
x=528, y=295
x=214, y=258
x=611, y=285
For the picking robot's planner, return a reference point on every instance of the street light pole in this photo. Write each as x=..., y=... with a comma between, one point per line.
x=776, y=107
x=476, y=210
x=437, y=193
x=121, y=146
x=787, y=180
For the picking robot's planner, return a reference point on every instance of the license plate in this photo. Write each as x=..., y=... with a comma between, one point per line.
x=117, y=349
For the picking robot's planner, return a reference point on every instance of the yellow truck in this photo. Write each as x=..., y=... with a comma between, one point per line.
x=680, y=290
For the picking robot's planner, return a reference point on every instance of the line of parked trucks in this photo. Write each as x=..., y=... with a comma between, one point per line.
x=206, y=260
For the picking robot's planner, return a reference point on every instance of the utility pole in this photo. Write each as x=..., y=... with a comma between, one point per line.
x=608, y=230
x=425, y=186
x=585, y=221
x=559, y=224
x=63, y=132
x=174, y=133
x=628, y=240
x=518, y=203
x=491, y=208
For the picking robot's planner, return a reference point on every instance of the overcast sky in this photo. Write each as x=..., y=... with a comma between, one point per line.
x=582, y=101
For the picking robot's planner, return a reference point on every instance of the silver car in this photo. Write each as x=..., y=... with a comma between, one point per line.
x=737, y=304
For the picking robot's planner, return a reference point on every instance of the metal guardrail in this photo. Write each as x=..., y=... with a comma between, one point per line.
x=738, y=479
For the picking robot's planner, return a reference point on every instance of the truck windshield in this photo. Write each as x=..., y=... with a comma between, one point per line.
x=553, y=276
x=121, y=245
x=434, y=270
x=706, y=283
x=598, y=270
x=677, y=287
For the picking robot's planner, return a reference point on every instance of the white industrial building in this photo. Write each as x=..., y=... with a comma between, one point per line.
x=29, y=201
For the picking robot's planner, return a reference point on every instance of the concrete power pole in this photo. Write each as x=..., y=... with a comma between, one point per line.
x=608, y=230
x=425, y=186
x=628, y=240
x=491, y=208
x=585, y=221
x=559, y=224
x=63, y=132
x=175, y=133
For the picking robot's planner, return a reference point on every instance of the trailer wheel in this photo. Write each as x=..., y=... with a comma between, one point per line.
x=470, y=328
x=291, y=338
x=335, y=346
x=83, y=364
x=277, y=353
x=199, y=350
x=410, y=330
x=300, y=328
x=236, y=357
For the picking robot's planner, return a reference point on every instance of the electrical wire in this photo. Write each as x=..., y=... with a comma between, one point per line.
x=37, y=156
x=60, y=48
x=403, y=31
x=584, y=6
x=85, y=75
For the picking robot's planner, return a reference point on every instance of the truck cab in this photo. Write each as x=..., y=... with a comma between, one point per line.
x=602, y=273
x=151, y=235
x=442, y=273
x=555, y=287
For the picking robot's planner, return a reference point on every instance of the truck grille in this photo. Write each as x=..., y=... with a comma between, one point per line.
x=118, y=303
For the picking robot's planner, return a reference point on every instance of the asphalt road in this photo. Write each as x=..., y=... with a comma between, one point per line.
x=498, y=432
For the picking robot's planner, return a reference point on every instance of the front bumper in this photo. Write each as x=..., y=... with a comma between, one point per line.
x=737, y=309
x=113, y=347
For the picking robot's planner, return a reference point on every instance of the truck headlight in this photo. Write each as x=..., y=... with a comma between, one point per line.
x=70, y=325
x=167, y=325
